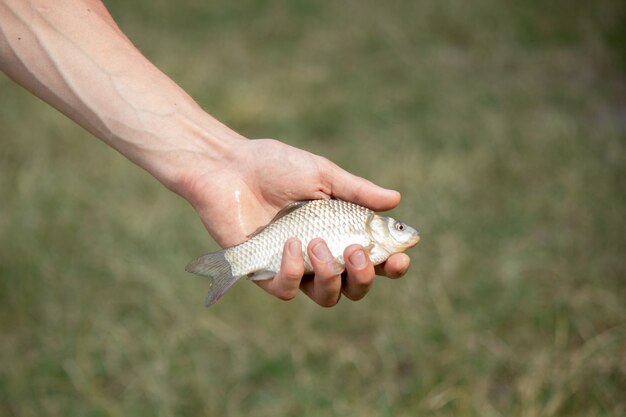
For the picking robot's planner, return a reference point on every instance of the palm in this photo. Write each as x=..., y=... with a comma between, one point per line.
x=266, y=175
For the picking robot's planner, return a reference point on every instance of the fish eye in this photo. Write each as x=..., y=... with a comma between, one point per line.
x=399, y=226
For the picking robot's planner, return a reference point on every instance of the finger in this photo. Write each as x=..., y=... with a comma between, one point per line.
x=360, y=273
x=325, y=288
x=346, y=186
x=287, y=281
x=395, y=267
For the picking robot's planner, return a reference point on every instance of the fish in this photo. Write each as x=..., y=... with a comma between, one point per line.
x=339, y=223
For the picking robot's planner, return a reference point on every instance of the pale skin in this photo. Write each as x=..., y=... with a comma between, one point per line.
x=72, y=55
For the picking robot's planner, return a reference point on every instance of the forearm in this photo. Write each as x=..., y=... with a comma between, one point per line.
x=72, y=55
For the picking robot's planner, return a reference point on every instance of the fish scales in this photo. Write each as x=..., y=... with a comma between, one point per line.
x=339, y=223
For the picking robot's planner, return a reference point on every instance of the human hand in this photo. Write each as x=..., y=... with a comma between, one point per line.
x=259, y=177
x=93, y=74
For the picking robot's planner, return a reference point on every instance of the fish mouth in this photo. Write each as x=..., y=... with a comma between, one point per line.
x=414, y=241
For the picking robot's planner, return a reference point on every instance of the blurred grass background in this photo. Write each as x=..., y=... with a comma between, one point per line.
x=502, y=123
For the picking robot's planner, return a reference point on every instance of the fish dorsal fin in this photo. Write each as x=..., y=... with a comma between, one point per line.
x=282, y=213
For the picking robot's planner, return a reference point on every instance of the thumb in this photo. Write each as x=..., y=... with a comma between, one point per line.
x=349, y=187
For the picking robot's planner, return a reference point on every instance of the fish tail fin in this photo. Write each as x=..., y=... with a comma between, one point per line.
x=216, y=266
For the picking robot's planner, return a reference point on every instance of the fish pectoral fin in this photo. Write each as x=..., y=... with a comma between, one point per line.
x=261, y=275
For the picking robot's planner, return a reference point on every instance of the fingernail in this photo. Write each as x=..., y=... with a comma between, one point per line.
x=322, y=253
x=358, y=259
x=294, y=247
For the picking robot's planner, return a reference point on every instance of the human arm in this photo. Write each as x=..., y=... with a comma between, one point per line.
x=72, y=55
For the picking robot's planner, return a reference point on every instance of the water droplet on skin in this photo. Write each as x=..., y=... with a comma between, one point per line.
x=239, y=210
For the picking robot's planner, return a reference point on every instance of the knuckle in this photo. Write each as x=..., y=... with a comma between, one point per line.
x=293, y=279
x=286, y=295
x=293, y=271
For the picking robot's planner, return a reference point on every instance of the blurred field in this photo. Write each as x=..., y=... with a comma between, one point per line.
x=502, y=123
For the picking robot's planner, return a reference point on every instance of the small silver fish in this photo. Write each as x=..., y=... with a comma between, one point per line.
x=338, y=222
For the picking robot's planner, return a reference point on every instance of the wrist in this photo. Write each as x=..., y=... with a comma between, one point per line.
x=201, y=148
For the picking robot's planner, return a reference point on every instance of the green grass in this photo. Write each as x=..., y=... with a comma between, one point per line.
x=503, y=125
